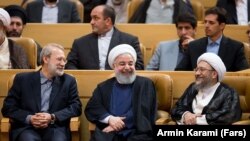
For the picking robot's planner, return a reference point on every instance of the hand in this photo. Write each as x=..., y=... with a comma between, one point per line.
x=108, y=129
x=117, y=123
x=190, y=118
x=40, y=120
x=186, y=41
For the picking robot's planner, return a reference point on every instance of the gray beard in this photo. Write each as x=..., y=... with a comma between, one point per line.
x=124, y=79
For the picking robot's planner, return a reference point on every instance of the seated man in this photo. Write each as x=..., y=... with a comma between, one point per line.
x=12, y=56
x=40, y=104
x=238, y=11
x=207, y=101
x=160, y=11
x=52, y=11
x=123, y=107
x=169, y=53
x=229, y=50
x=91, y=51
x=18, y=19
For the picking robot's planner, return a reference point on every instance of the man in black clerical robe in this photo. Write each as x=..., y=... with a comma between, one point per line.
x=123, y=107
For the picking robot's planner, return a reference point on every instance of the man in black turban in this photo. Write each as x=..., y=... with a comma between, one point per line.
x=18, y=18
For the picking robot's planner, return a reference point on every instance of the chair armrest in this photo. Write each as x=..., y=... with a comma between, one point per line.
x=162, y=114
x=162, y=121
x=5, y=124
x=242, y=122
x=74, y=124
x=91, y=126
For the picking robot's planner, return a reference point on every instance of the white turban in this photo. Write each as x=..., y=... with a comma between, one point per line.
x=4, y=17
x=214, y=61
x=118, y=50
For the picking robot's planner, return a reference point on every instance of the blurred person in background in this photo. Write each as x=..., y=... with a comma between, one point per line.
x=52, y=11
x=18, y=20
x=160, y=11
x=12, y=56
x=238, y=11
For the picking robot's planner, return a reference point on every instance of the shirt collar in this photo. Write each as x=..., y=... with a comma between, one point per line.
x=50, y=6
x=44, y=79
x=217, y=41
x=108, y=34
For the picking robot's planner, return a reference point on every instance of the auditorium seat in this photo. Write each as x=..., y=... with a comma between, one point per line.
x=30, y=48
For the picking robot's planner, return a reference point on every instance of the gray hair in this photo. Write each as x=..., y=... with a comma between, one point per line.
x=47, y=50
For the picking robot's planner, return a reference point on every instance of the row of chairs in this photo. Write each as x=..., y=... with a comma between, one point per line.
x=166, y=86
x=31, y=50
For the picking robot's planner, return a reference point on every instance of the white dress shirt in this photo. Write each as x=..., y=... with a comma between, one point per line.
x=103, y=47
x=5, y=55
x=242, y=13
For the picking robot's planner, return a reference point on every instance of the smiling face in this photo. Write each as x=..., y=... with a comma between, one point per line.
x=53, y=61
x=205, y=75
x=124, y=67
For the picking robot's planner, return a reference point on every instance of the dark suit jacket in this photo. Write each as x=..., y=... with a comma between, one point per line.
x=67, y=12
x=24, y=98
x=84, y=52
x=230, y=51
x=230, y=7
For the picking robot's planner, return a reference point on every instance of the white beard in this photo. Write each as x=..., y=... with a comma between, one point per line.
x=125, y=79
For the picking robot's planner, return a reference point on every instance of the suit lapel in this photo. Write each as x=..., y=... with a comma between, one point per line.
x=35, y=88
x=93, y=45
x=233, y=11
x=39, y=10
x=222, y=48
x=60, y=12
x=173, y=56
x=248, y=9
x=55, y=90
x=114, y=42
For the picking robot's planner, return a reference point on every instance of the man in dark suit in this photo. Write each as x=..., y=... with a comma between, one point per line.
x=232, y=12
x=40, y=104
x=91, y=51
x=230, y=51
x=52, y=11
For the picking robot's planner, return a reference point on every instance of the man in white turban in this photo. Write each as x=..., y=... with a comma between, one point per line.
x=116, y=104
x=12, y=56
x=208, y=101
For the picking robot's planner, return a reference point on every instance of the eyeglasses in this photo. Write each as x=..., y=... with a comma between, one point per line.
x=202, y=69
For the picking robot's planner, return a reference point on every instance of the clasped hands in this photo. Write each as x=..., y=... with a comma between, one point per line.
x=190, y=118
x=115, y=124
x=40, y=120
